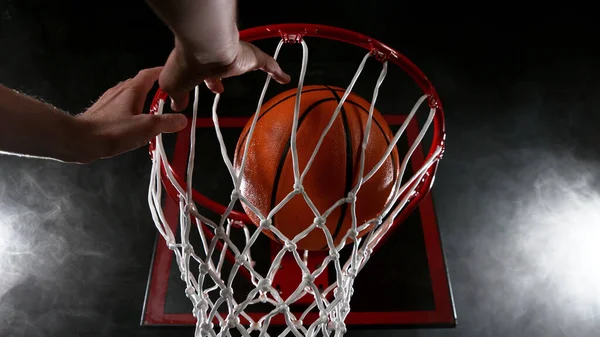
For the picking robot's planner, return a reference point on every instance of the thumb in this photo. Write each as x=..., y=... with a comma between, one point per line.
x=153, y=125
x=175, y=81
x=140, y=130
x=167, y=123
x=143, y=128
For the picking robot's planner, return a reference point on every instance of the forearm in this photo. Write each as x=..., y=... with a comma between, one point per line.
x=33, y=128
x=208, y=27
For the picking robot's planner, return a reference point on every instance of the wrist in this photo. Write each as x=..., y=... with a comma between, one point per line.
x=83, y=145
x=217, y=52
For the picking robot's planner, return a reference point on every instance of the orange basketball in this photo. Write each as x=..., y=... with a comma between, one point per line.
x=268, y=175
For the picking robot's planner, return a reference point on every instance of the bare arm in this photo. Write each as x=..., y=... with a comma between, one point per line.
x=206, y=27
x=207, y=48
x=33, y=128
x=113, y=125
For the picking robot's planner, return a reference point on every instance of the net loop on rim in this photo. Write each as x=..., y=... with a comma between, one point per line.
x=210, y=287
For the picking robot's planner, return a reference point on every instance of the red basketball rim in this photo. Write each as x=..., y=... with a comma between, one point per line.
x=293, y=33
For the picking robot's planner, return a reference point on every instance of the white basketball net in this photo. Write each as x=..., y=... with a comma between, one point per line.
x=332, y=310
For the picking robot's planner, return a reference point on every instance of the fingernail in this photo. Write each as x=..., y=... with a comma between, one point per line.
x=176, y=106
x=283, y=78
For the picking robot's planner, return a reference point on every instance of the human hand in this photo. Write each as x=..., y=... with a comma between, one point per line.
x=184, y=69
x=115, y=123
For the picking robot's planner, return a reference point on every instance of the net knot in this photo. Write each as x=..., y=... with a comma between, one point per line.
x=351, y=273
x=231, y=322
x=240, y=259
x=203, y=268
x=352, y=234
x=226, y=293
x=189, y=291
x=319, y=222
x=308, y=278
x=298, y=188
x=202, y=305
x=283, y=308
x=264, y=285
x=334, y=254
x=220, y=232
x=235, y=194
x=265, y=224
x=323, y=317
x=189, y=207
x=206, y=328
x=254, y=326
x=351, y=197
x=290, y=246
x=337, y=326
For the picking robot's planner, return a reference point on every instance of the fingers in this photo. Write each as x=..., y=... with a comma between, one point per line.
x=179, y=101
x=141, y=85
x=117, y=88
x=214, y=85
x=272, y=68
x=182, y=72
x=141, y=129
x=145, y=79
x=174, y=80
x=268, y=64
x=168, y=123
x=157, y=124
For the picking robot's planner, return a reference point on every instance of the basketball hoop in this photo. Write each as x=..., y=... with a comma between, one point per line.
x=210, y=288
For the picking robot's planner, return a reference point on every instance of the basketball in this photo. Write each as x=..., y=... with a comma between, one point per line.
x=268, y=175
